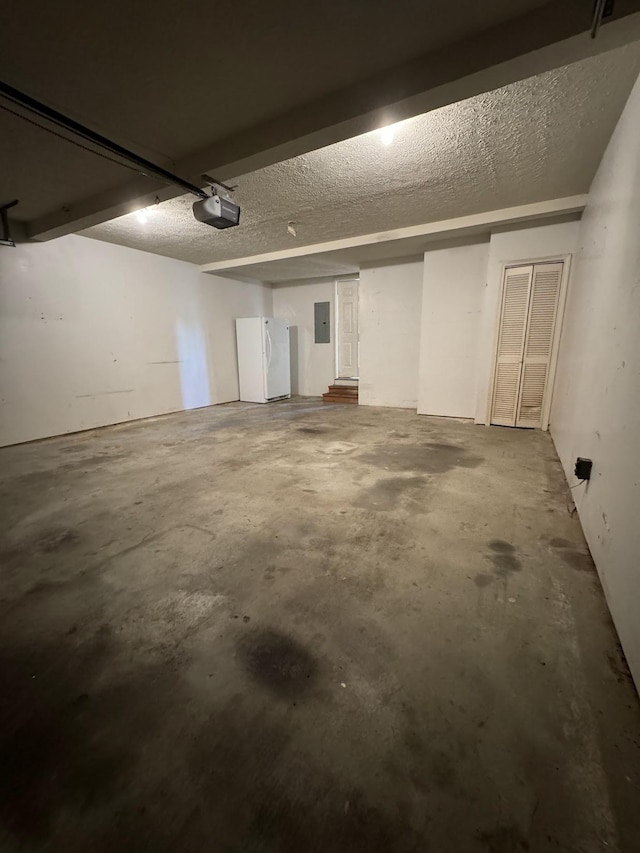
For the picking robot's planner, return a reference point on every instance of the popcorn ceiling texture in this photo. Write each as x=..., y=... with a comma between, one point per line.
x=537, y=139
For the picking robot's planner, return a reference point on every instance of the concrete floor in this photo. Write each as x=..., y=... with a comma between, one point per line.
x=305, y=628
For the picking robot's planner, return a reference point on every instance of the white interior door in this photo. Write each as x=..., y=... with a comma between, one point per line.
x=347, y=324
x=513, y=327
x=529, y=310
x=541, y=325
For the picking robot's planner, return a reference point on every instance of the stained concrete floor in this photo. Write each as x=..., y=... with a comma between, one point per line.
x=305, y=628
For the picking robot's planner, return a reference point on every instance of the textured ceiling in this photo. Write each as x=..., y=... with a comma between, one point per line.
x=168, y=78
x=339, y=262
x=537, y=139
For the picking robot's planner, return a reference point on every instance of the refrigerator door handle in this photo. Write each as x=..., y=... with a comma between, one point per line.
x=270, y=349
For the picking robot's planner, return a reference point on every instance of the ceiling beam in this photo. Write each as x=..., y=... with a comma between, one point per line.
x=461, y=226
x=548, y=37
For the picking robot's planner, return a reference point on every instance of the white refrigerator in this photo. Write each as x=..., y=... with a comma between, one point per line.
x=263, y=359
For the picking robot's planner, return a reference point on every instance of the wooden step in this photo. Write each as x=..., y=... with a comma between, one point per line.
x=338, y=398
x=341, y=394
x=346, y=390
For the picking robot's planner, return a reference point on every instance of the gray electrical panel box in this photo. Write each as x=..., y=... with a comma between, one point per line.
x=322, y=320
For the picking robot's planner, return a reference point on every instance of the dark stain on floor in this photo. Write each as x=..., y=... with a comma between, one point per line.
x=236, y=760
x=95, y=459
x=442, y=770
x=578, y=560
x=618, y=665
x=426, y=458
x=278, y=662
x=504, y=558
x=504, y=839
x=53, y=540
x=572, y=556
x=558, y=542
x=237, y=464
x=49, y=479
x=387, y=493
x=49, y=754
x=501, y=547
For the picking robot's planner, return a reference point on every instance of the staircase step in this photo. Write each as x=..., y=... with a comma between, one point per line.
x=340, y=398
x=341, y=394
x=347, y=390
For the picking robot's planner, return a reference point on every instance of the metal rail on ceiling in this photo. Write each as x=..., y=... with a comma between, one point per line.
x=145, y=167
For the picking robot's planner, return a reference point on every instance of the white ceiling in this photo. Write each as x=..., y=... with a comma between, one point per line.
x=537, y=139
x=333, y=263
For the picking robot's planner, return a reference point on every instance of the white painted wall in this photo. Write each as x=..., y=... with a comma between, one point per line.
x=526, y=244
x=452, y=300
x=389, y=317
x=312, y=365
x=94, y=334
x=596, y=405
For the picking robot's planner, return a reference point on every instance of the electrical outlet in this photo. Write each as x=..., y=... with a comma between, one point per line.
x=583, y=468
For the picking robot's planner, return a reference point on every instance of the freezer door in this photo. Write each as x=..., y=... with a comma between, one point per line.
x=249, y=333
x=276, y=358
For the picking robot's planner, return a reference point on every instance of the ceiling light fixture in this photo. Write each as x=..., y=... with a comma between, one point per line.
x=387, y=134
x=144, y=213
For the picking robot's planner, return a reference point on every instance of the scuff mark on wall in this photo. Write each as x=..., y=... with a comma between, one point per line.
x=104, y=393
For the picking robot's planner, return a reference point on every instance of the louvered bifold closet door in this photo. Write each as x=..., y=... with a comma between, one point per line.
x=543, y=310
x=513, y=327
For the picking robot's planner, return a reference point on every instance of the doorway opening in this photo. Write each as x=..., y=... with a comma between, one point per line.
x=528, y=332
x=347, y=337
